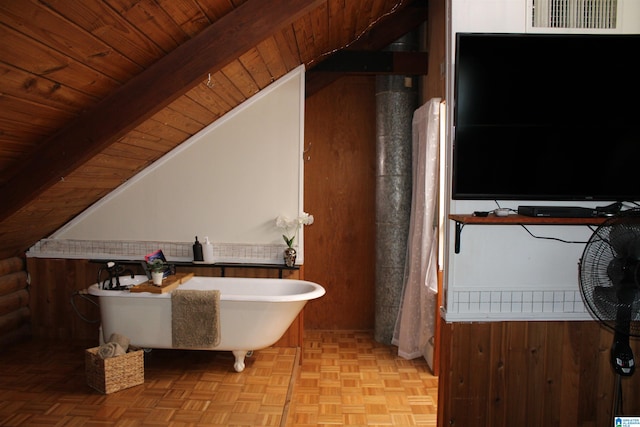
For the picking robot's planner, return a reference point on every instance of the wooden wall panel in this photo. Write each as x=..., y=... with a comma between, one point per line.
x=14, y=301
x=340, y=194
x=53, y=282
x=435, y=82
x=534, y=374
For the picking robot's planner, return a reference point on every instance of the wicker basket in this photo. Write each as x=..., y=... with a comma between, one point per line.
x=115, y=373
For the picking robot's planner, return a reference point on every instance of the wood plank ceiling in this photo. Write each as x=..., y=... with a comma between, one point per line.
x=94, y=91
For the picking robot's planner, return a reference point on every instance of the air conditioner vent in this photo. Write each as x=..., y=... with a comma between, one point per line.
x=596, y=14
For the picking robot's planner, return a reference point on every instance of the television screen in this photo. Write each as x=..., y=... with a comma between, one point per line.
x=547, y=117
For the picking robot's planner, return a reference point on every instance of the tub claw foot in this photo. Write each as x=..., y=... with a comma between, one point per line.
x=239, y=364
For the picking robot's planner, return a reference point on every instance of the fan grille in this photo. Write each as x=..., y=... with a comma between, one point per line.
x=609, y=274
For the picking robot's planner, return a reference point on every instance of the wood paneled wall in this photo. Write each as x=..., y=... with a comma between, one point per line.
x=53, y=285
x=534, y=374
x=14, y=301
x=57, y=311
x=340, y=193
x=435, y=81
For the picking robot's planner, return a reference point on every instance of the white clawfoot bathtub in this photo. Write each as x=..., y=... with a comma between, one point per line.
x=254, y=313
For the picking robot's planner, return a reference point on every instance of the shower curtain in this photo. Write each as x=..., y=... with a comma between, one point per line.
x=415, y=325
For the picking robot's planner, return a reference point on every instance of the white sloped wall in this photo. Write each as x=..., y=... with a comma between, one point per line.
x=228, y=182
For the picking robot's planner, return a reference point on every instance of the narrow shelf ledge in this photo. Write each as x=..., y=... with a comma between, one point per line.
x=224, y=265
x=491, y=219
x=221, y=265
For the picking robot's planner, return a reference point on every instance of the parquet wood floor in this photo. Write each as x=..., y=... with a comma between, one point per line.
x=345, y=379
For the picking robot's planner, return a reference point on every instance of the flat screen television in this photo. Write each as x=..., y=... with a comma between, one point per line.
x=546, y=117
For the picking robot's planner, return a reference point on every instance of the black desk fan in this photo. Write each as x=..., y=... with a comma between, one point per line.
x=610, y=285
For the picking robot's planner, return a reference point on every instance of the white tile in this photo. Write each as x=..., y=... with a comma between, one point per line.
x=548, y=296
x=558, y=296
x=516, y=296
x=474, y=297
x=537, y=296
x=463, y=297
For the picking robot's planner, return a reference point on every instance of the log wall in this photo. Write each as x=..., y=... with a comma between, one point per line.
x=58, y=312
x=14, y=301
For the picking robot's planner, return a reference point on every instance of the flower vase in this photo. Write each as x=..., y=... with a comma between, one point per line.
x=156, y=277
x=290, y=257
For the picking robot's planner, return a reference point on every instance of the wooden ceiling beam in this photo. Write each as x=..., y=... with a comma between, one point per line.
x=381, y=62
x=394, y=26
x=146, y=94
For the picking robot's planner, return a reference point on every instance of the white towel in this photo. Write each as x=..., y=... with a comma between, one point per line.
x=110, y=349
x=120, y=339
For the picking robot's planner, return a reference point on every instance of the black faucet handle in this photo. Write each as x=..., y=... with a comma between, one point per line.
x=108, y=266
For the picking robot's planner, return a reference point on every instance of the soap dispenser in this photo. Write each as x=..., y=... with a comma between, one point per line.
x=208, y=251
x=197, y=251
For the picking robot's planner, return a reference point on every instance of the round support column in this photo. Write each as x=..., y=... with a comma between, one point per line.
x=396, y=100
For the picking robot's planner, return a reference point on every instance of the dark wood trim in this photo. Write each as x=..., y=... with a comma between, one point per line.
x=385, y=62
x=219, y=265
x=524, y=220
x=492, y=219
x=146, y=94
x=394, y=26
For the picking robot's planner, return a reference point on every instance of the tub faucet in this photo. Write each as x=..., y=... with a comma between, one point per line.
x=118, y=271
x=129, y=271
x=109, y=266
x=114, y=270
x=121, y=272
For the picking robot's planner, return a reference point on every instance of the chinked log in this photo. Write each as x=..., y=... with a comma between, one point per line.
x=13, y=301
x=14, y=320
x=13, y=282
x=11, y=265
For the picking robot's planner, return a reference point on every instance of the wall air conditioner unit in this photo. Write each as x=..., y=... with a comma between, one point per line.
x=583, y=16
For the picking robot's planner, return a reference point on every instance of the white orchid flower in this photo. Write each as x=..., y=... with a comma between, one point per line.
x=291, y=226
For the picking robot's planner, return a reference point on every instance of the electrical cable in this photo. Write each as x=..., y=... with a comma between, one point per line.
x=557, y=239
x=83, y=294
x=357, y=38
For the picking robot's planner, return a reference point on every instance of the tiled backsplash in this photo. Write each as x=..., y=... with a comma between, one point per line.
x=503, y=304
x=174, y=251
